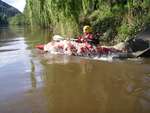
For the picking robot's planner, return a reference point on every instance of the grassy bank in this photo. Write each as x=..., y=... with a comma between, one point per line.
x=117, y=20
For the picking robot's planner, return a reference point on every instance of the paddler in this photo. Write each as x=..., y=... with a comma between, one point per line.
x=88, y=36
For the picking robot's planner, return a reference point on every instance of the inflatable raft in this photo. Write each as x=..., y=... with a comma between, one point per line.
x=70, y=47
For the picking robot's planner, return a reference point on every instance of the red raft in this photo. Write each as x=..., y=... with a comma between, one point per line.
x=40, y=46
x=75, y=48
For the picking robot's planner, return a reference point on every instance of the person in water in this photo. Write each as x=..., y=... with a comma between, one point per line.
x=88, y=36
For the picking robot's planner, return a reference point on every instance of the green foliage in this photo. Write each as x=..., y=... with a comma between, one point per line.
x=117, y=19
x=18, y=20
x=6, y=12
x=3, y=19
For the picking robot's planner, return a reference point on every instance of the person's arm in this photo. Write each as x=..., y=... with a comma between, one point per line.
x=79, y=39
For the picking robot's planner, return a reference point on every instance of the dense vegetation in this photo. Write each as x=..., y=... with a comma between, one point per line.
x=3, y=19
x=6, y=11
x=117, y=19
x=18, y=20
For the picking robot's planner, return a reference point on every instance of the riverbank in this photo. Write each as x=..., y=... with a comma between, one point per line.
x=117, y=20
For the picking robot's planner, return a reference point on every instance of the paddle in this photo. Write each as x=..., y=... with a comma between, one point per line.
x=139, y=47
x=60, y=38
x=144, y=53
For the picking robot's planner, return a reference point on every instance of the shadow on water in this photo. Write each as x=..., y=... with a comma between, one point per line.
x=42, y=83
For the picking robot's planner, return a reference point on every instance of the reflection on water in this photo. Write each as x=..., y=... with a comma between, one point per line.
x=33, y=82
x=99, y=88
x=33, y=76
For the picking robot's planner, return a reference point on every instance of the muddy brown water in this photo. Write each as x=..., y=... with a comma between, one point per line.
x=33, y=82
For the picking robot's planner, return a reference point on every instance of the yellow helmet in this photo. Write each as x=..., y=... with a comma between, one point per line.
x=87, y=29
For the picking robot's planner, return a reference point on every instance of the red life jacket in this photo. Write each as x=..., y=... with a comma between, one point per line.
x=85, y=38
x=88, y=38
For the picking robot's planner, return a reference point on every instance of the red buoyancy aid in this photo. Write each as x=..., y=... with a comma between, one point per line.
x=85, y=38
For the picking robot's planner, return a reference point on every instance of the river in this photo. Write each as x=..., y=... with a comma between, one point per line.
x=34, y=82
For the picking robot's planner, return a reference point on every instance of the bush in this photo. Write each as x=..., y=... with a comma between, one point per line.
x=18, y=20
x=117, y=19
